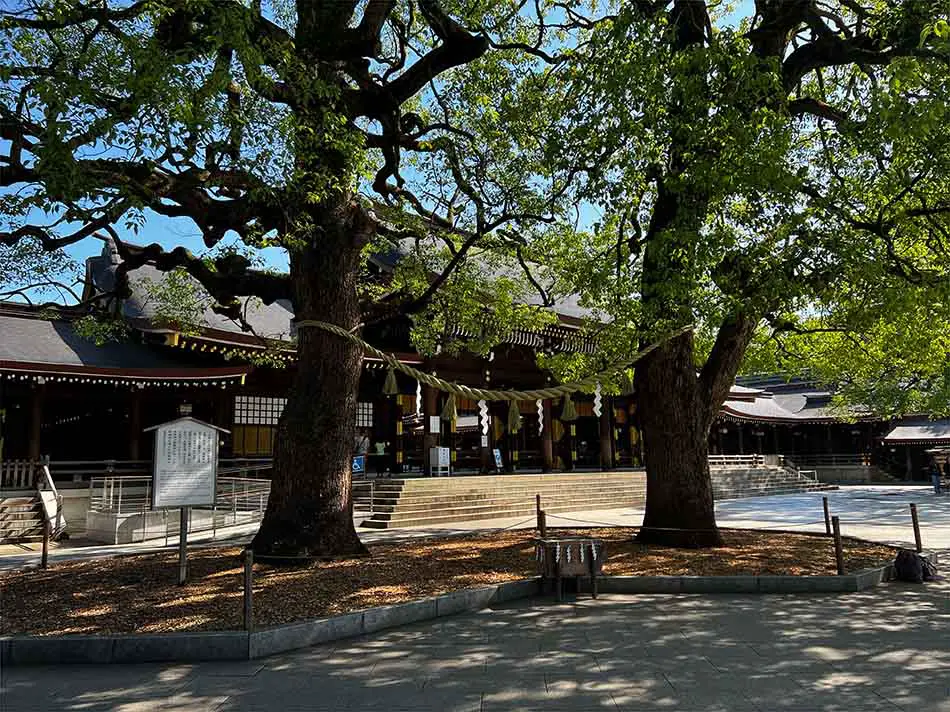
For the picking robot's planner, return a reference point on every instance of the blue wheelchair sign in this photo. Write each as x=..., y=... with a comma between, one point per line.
x=359, y=465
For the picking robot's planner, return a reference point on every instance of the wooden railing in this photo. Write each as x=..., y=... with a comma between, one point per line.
x=19, y=474
x=736, y=460
x=830, y=460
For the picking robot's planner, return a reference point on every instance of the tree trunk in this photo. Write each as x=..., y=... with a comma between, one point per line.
x=310, y=511
x=679, y=505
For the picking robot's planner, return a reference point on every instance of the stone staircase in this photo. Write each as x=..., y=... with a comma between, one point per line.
x=21, y=519
x=762, y=481
x=443, y=500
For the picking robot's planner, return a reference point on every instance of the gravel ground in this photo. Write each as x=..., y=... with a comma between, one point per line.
x=138, y=593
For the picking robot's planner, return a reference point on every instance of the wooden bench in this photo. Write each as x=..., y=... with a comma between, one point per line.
x=575, y=557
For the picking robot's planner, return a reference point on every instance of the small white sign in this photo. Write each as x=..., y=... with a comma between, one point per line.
x=435, y=424
x=186, y=463
x=484, y=441
x=439, y=457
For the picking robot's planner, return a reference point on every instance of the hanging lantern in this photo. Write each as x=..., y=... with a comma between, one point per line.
x=390, y=387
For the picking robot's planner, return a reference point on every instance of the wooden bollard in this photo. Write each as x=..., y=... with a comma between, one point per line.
x=543, y=524
x=824, y=501
x=44, y=558
x=913, y=517
x=248, y=589
x=537, y=509
x=839, y=554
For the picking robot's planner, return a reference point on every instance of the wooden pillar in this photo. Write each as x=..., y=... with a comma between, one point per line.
x=454, y=441
x=570, y=433
x=430, y=403
x=741, y=440
x=775, y=438
x=830, y=442
x=397, y=451
x=135, y=422
x=547, y=442
x=37, y=396
x=606, y=444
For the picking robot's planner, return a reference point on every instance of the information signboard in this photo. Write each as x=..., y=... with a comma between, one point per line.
x=186, y=463
x=499, y=465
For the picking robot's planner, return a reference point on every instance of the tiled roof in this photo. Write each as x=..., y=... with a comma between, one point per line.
x=920, y=431
x=30, y=344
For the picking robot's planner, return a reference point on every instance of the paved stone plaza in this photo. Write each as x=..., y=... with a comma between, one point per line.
x=884, y=649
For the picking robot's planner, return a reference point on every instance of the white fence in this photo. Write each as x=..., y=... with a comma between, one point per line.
x=120, y=509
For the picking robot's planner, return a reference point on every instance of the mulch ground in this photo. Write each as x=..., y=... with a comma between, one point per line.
x=138, y=593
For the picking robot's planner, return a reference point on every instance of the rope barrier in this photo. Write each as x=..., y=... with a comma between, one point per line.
x=484, y=393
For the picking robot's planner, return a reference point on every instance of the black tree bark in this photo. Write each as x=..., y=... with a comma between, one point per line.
x=310, y=512
x=679, y=504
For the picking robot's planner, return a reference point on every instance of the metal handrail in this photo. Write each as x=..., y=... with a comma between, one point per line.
x=44, y=483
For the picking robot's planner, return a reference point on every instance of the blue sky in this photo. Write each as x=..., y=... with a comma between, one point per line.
x=171, y=232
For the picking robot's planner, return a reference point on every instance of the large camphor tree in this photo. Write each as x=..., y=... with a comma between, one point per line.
x=763, y=170
x=315, y=126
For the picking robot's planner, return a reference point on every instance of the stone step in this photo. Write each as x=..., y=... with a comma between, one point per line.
x=513, y=491
x=433, y=501
x=21, y=519
x=620, y=500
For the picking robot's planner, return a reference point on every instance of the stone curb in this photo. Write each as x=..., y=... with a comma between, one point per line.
x=206, y=646
x=849, y=583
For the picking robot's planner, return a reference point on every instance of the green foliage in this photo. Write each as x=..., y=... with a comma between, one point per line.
x=26, y=266
x=176, y=301
x=101, y=328
x=722, y=190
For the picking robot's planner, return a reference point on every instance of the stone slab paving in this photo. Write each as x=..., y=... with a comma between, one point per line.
x=884, y=649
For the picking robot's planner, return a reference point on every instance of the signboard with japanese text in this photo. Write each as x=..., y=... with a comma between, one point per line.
x=499, y=465
x=186, y=463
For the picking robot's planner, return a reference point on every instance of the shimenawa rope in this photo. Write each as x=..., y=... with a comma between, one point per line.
x=458, y=389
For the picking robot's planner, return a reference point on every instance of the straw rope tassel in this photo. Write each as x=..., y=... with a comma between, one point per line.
x=514, y=417
x=390, y=387
x=458, y=389
x=449, y=412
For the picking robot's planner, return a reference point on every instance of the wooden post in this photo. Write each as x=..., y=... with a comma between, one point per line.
x=44, y=559
x=606, y=442
x=839, y=554
x=398, y=448
x=913, y=516
x=249, y=589
x=36, y=422
x=824, y=501
x=135, y=422
x=592, y=562
x=570, y=432
x=183, y=547
x=547, y=444
x=543, y=524
x=430, y=403
x=537, y=509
